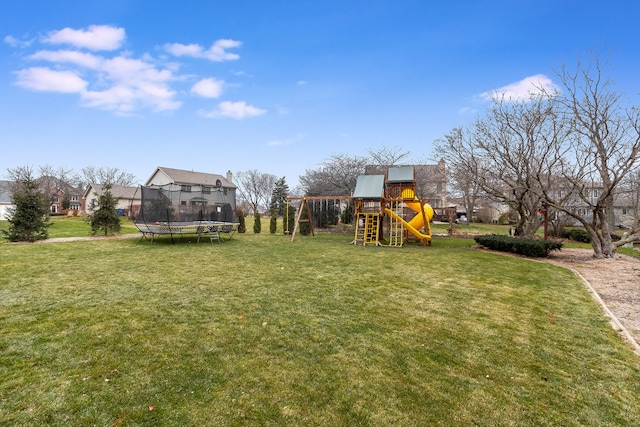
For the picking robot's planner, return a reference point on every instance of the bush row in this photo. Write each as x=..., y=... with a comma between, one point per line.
x=521, y=246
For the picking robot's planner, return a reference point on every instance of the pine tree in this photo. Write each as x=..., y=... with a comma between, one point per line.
x=279, y=197
x=105, y=217
x=29, y=219
x=273, y=224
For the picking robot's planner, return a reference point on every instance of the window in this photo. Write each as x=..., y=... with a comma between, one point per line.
x=183, y=203
x=54, y=198
x=206, y=190
x=185, y=188
x=74, y=198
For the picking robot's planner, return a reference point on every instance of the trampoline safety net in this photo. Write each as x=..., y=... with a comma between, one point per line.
x=185, y=204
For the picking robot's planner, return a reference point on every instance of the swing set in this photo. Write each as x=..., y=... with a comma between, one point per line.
x=304, y=206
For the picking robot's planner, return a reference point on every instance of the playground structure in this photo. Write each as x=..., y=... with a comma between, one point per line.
x=304, y=208
x=387, y=209
x=176, y=210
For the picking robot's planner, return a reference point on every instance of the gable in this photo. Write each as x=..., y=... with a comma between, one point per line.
x=164, y=175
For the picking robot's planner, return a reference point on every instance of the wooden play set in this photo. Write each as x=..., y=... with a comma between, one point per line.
x=386, y=209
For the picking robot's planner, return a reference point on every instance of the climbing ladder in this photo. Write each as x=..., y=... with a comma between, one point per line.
x=367, y=228
x=396, y=230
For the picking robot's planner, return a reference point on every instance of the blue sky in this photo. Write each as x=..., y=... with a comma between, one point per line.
x=276, y=85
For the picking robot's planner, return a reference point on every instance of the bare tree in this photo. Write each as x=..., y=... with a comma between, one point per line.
x=605, y=147
x=388, y=156
x=458, y=151
x=336, y=176
x=517, y=145
x=104, y=176
x=256, y=188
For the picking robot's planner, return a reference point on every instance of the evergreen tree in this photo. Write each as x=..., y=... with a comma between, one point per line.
x=29, y=219
x=273, y=224
x=304, y=227
x=105, y=217
x=257, y=224
x=242, y=227
x=279, y=197
x=289, y=221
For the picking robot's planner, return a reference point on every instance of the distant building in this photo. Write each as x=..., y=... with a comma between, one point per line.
x=5, y=199
x=127, y=197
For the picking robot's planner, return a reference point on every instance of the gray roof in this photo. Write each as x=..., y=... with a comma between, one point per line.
x=117, y=191
x=369, y=187
x=399, y=174
x=5, y=192
x=179, y=176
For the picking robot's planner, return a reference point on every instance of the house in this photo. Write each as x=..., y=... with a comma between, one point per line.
x=5, y=199
x=183, y=196
x=62, y=195
x=127, y=197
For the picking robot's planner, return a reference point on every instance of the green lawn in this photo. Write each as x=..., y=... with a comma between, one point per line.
x=263, y=331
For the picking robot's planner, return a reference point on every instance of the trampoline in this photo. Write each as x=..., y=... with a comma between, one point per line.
x=177, y=210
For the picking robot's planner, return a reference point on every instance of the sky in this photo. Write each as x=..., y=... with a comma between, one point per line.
x=278, y=86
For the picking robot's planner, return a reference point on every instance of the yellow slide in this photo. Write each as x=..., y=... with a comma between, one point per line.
x=417, y=222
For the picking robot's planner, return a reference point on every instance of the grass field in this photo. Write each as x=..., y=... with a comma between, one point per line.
x=264, y=331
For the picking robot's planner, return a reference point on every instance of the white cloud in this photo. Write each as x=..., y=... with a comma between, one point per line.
x=119, y=82
x=524, y=89
x=208, y=88
x=302, y=82
x=287, y=141
x=97, y=37
x=217, y=52
x=14, y=42
x=48, y=80
x=82, y=59
x=235, y=110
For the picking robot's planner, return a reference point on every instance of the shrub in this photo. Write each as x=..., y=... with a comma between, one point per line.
x=304, y=226
x=242, y=227
x=257, y=224
x=576, y=234
x=517, y=245
x=289, y=220
x=273, y=223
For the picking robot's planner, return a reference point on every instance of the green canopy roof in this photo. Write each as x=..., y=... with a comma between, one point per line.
x=369, y=187
x=401, y=174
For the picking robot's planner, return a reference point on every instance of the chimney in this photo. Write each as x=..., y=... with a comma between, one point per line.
x=229, y=176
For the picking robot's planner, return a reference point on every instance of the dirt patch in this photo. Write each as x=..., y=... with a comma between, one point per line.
x=615, y=280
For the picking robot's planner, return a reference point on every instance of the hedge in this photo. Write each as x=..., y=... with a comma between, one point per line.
x=518, y=245
x=576, y=234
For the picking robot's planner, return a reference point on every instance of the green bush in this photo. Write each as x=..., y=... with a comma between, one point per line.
x=518, y=245
x=576, y=234
x=242, y=227
x=304, y=226
x=273, y=223
x=289, y=220
x=257, y=224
